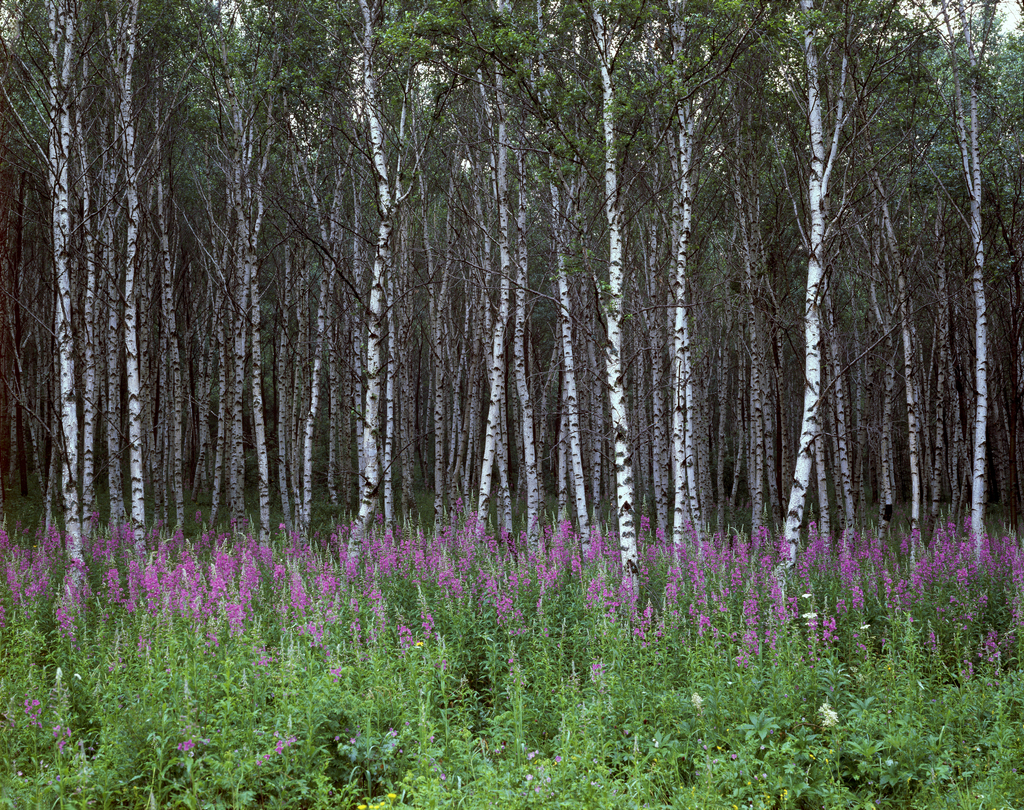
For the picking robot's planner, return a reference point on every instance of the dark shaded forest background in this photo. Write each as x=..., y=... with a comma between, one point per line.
x=191, y=194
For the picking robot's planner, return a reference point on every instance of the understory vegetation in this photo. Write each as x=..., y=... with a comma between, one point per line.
x=460, y=669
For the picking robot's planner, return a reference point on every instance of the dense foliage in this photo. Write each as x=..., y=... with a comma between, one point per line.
x=191, y=220
x=458, y=669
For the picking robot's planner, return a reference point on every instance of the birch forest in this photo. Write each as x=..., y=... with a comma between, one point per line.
x=696, y=264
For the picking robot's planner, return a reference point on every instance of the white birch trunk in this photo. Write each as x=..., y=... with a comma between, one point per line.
x=849, y=509
x=501, y=457
x=747, y=221
x=334, y=404
x=285, y=409
x=438, y=306
x=660, y=464
x=176, y=387
x=386, y=207
x=62, y=20
x=909, y=353
x=125, y=56
x=684, y=416
x=702, y=438
x=408, y=436
x=887, y=470
x=390, y=423
x=723, y=405
x=468, y=450
x=824, y=511
x=236, y=460
x=939, y=445
x=860, y=459
x=115, y=481
x=314, y=403
x=885, y=460
x=571, y=402
x=253, y=222
x=220, y=442
x=533, y=502
x=298, y=383
x=741, y=454
x=259, y=423
x=496, y=360
x=201, y=404
x=90, y=323
x=683, y=410
x=967, y=133
x=612, y=308
x=818, y=192
x=595, y=411
x=334, y=408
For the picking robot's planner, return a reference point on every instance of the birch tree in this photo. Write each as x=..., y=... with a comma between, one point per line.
x=388, y=199
x=122, y=45
x=687, y=503
x=896, y=261
x=63, y=29
x=497, y=123
x=90, y=382
x=612, y=297
x=533, y=499
x=966, y=128
x=814, y=235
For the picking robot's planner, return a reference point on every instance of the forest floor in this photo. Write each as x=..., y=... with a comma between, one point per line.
x=457, y=668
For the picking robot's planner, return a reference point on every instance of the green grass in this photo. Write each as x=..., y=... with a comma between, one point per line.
x=443, y=672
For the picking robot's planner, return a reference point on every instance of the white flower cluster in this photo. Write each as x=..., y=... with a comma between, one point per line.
x=698, y=703
x=829, y=718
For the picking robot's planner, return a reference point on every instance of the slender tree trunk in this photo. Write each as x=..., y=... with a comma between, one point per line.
x=220, y=446
x=839, y=392
x=909, y=353
x=202, y=404
x=687, y=505
x=390, y=421
x=114, y=340
x=259, y=421
x=381, y=265
x=314, y=403
x=723, y=404
x=62, y=50
x=124, y=50
x=89, y=323
x=570, y=404
x=967, y=130
x=821, y=468
x=820, y=169
x=496, y=360
x=334, y=403
x=176, y=398
x=533, y=503
x=657, y=324
x=285, y=409
x=612, y=307
x=747, y=221
x=438, y=307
